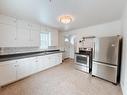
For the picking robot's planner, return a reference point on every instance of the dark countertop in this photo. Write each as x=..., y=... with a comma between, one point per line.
x=15, y=56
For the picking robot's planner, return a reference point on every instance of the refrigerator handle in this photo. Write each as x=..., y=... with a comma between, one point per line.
x=94, y=50
x=105, y=65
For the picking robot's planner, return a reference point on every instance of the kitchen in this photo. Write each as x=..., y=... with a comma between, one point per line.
x=43, y=44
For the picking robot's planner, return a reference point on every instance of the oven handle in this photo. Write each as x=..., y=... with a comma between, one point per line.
x=82, y=55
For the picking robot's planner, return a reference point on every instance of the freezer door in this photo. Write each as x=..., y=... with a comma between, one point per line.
x=106, y=50
x=104, y=71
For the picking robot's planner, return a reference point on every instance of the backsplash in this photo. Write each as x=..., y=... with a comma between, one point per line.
x=52, y=47
x=11, y=50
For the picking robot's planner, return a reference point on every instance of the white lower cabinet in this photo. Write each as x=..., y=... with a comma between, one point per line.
x=42, y=62
x=59, y=58
x=11, y=71
x=7, y=72
x=55, y=59
x=48, y=61
x=52, y=60
x=25, y=67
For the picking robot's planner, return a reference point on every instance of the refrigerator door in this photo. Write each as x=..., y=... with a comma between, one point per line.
x=104, y=71
x=106, y=50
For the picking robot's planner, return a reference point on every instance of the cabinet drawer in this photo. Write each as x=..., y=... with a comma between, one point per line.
x=105, y=71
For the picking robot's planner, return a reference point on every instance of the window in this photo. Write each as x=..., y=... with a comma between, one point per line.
x=45, y=40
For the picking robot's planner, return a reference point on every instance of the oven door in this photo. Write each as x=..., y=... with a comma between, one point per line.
x=82, y=60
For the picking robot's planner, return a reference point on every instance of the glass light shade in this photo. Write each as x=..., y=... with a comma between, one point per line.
x=65, y=19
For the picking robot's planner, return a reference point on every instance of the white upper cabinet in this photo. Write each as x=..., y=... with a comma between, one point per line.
x=28, y=34
x=22, y=37
x=21, y=33
x=7, y=20
x=7, y=31
x=7, y=35
x=35, y=35
x=36, y=27
x=23, y=24
x=28, y=25
x=54, y=37
x=18, y=33
x=35, y=38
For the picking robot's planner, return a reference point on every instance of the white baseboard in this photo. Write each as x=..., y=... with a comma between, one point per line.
x=124, y=90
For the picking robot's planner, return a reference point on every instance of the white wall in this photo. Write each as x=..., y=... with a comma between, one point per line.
x=107, y=29
x=124, y=57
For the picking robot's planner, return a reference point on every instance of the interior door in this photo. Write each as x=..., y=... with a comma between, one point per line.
x=106, y=50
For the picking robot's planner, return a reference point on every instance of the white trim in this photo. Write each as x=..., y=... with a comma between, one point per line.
x=124, y=90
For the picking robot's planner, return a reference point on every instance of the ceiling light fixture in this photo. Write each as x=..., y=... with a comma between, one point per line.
x=65, y=19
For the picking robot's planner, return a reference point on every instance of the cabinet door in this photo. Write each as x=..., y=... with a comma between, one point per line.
x=26, y=67
x=23, y=24
x=7, y=72
x=39, y=63
x=54, y=60
x=7, y=20
x=7, y=35
x=59, y=58
x=23, y=37
x=54, y=38
x=42, y=63
x=32, y=62
x=22, y=68
x=34, y=38
x=35, y=27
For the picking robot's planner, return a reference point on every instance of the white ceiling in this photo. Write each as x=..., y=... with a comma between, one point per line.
x=85, y=12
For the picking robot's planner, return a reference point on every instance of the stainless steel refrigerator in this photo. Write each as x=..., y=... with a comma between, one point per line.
x=107, y=58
